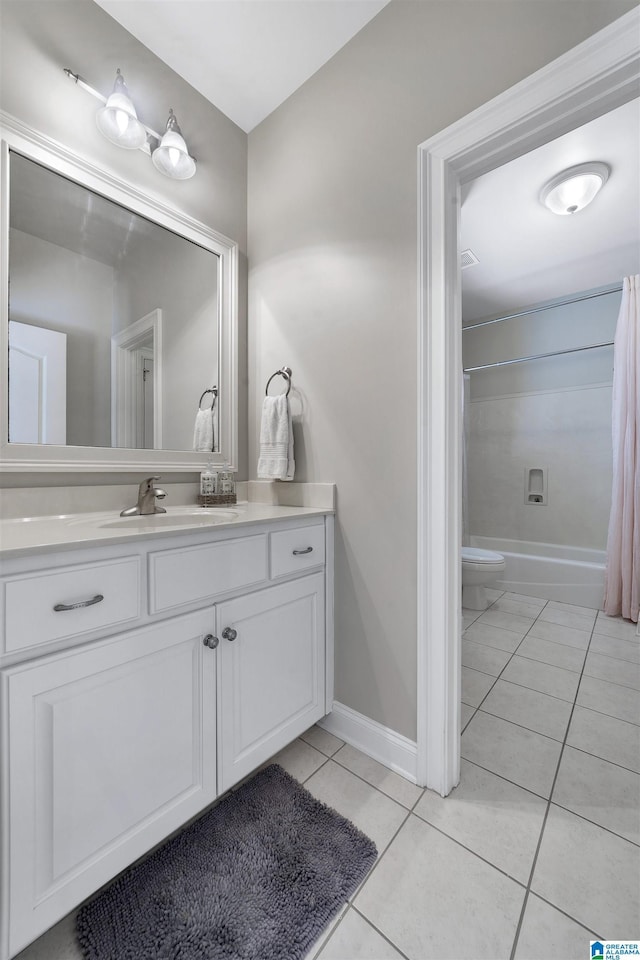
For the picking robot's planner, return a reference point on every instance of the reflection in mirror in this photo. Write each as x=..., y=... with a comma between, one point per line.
x=113, y=320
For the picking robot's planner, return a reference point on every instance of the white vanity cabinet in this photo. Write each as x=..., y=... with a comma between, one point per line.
x=110, y=747
x=111, y=738
x=271, y=681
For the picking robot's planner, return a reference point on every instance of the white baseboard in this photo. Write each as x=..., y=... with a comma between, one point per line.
x=386, y=746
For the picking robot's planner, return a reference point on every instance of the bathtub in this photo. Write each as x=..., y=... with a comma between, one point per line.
x=568, y=574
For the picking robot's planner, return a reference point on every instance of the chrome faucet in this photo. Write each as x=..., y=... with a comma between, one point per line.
x=147, y=495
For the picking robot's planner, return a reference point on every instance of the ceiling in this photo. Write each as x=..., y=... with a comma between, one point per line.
x=60, y=211
x=529, y=255
x=245, y=56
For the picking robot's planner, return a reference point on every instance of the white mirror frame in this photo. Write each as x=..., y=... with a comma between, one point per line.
x=28, y=458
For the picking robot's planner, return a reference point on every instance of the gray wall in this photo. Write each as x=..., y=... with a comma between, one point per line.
x=38, y=38
x=189, y=311
x=332, y=288
x=58, y=289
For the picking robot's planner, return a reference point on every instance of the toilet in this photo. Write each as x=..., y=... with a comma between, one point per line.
x=479, y=569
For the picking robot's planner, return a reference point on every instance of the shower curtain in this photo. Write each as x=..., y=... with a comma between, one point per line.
x=622, y=579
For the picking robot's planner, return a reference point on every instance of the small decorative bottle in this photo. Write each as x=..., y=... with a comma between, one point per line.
x=208, y=480
x=226, y=484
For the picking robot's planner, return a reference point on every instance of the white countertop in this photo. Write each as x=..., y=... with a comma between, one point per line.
x=27, y=535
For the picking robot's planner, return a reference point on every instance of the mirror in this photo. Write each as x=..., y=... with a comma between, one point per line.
x=119, y=311
x=118, y=321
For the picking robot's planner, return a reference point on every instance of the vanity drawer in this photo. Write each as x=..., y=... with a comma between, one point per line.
x=297, y=549
x=192, y=574
x=31, y=617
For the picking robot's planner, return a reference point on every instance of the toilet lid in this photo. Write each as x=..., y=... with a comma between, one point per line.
x=481, y=556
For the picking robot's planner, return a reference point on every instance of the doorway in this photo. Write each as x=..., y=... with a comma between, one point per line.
x=593, y=78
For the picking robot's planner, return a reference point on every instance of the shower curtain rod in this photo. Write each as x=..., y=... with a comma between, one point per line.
x=537, y=356
x=549, y=306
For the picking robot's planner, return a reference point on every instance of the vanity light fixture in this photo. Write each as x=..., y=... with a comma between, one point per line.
x=574, y=188
x=118, y=121
x=171, y=157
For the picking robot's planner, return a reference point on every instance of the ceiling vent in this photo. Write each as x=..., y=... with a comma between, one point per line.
x=467, y=259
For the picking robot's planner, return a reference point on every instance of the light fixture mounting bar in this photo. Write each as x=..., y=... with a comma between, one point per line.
x=81, y=82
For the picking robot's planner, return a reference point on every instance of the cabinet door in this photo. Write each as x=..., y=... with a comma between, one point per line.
x=271, y=680
x=111, y=748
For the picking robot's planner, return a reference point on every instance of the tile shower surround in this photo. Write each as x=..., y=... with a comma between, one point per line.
x=536, y=852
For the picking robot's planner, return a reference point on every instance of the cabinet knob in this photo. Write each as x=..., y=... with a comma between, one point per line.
x=229, y=633
x=211, y=641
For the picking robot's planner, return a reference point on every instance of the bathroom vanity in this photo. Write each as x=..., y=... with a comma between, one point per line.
x=146, y=666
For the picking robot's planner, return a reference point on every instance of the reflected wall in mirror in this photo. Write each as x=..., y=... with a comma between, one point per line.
x=113, y=320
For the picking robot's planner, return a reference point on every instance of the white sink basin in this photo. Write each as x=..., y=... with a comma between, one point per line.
x=196, y=517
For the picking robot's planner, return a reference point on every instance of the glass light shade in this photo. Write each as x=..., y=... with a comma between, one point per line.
x=118, y=120
x=571, y=190
x=171, y=157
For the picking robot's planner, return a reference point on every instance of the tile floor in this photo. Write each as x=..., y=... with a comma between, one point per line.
x=537, y=851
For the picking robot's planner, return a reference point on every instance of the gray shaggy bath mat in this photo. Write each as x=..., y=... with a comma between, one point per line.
x=258, y=877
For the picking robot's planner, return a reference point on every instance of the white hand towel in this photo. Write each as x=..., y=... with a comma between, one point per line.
x=276, y=440
x=203, y=431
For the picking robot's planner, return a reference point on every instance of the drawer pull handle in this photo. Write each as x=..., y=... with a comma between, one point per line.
x=298, y=553
x=75, y=606
x=229, y=633
x=210, y=641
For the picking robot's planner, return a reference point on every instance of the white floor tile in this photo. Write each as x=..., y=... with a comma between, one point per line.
x=520, y=607
x=58, y=943
x=522, y=756
x=589, y=873
x=605, y=737
x=395, y=786
x=568, y=618
x=539, y=602
x=572, y=608
x=356, y=939
x=314, y=952
x=599, y=791
x=322, y=740
x=299, y=759
x=469, y=617
x=559, y=634
x=508, y=621
x=615, y=671
x=529, y=708
x=372, y=812
x=614, y=647
x=436, y=901
x=475, y=686
x=616, y=627
x=492, y=817
x=556, y=654
x=493, y=637
x=466, y=712
x=542, y=677
x=610, y=698
x=479, y=656
x=545, y=928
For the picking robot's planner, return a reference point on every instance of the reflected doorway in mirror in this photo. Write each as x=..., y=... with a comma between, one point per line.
x=136, y=397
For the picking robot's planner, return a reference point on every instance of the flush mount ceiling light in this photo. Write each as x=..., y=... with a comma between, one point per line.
x=172, y=157
x=118, y=121
x=574, y=188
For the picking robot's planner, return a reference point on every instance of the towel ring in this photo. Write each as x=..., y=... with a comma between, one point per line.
x=214, y=391
x=282, y=372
